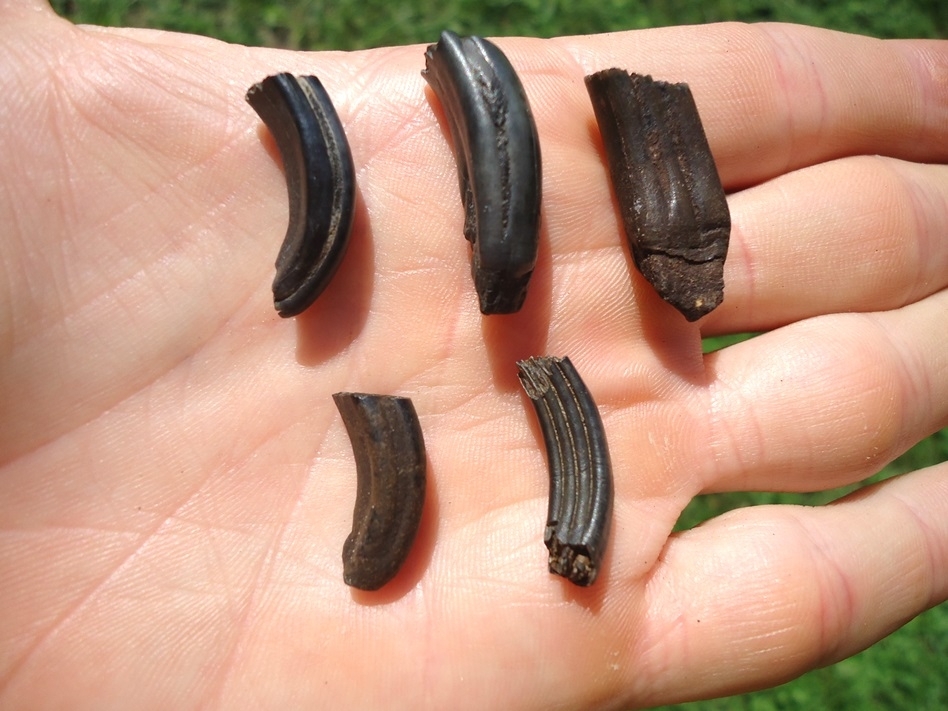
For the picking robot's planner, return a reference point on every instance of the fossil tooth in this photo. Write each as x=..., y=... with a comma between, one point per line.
x=497, y=152
x=672, y=202
x=320, y=180
x=390, y=469
x=580, y=508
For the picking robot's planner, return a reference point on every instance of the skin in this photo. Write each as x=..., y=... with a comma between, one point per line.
x=176, y=485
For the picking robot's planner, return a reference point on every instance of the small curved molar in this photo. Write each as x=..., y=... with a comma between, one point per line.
x=391, y=466
x=320, y=180
x=497, y=152
x=673, y=204
x=581, y=488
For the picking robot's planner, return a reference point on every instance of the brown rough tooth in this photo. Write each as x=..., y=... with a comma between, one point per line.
x=673, y=204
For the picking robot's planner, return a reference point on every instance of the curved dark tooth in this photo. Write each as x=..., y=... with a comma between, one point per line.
x=673, y=205
x=390, y=466
x=497, y=152
x=320, y=180
x=580, y=509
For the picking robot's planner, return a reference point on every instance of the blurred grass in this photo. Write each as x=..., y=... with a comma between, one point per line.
x=908, y=669
x=929, y=451
x=356, y=24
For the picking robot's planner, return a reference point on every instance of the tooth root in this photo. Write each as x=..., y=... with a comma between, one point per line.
x=390, y=460
x=673, y=205
x=497, y=152
x=581, y=489
x=320, y=180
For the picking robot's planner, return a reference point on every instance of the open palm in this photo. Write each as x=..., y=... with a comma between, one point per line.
x=176, y=484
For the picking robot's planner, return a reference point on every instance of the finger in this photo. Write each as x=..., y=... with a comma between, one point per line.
x=856, y=234
x=777, y=97
x=826, y=402
x=763, y=594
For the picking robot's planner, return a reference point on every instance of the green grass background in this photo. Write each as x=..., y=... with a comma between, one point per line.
x=908, y=669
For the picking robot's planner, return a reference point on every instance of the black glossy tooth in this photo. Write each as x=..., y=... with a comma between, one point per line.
x=320, y=179
x=580, y=510
x=672, y=202
x=498, y=158
x=390, y=467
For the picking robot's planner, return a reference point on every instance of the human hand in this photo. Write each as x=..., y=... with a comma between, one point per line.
x=176, y=484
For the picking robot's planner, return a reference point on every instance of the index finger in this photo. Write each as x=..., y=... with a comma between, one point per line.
x=776, y=97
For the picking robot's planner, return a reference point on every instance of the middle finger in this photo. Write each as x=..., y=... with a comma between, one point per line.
x=855, y=234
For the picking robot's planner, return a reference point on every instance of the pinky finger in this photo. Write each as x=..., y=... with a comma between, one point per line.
x=761, y=595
